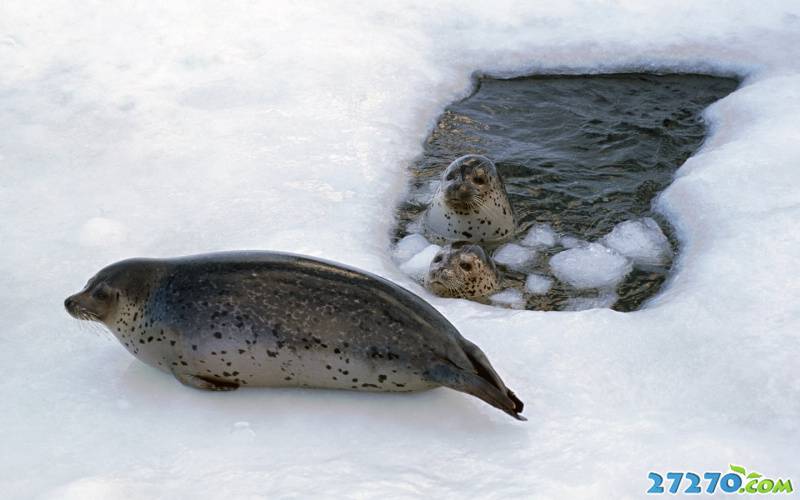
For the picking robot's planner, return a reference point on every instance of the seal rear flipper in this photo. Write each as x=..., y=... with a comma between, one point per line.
x=455, y=378
x=482, y=366
x=481, y=363
x=206, y=384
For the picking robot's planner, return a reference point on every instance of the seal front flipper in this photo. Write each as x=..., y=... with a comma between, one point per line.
x=206, y=384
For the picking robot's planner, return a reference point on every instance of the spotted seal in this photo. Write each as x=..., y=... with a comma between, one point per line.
x=224, y=320
x=471, y=203
x=462, y=271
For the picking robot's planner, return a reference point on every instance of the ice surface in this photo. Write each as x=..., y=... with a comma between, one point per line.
x=592, y=266
x=202, y=126
x=99, y=231
x=409, y=246
x=538, y=284
x=510, y=297
x=572, y=242
x=642, y=241
x=604, y=299
x=417, y=266
x=515, y=256
x=540, y=236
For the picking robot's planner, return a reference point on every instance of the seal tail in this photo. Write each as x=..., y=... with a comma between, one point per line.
x=482, y=381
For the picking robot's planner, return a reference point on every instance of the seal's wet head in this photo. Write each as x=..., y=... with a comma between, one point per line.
x=467, y=180
x=462, y=270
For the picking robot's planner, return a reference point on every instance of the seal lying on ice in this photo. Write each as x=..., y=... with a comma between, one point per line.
x=225, y=320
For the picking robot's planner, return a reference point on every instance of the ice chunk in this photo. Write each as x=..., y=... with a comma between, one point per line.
x=605, y=299
x=592, y=266
x=100, y=232
x=538, y=284
x=515, y=256
x=408, y=247
x=540, y=236
x=417, y=266
x=510, y=297
x=572, y=242
x=641, y=241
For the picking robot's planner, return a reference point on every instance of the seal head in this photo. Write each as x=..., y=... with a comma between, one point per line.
x=471, y=203
x=105, y=293
x=462, y=271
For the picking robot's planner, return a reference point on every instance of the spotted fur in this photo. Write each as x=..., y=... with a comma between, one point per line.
x=222, y=321
x=471, y=203
x=462, y=271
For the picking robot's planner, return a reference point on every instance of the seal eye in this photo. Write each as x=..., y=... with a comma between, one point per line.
x=438, y=258
x=450, y=176
x=479, y=180
x=100, y=293
x=466, y=266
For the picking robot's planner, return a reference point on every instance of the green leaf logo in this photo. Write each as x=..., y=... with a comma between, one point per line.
x=738, y=469
x=753, y=475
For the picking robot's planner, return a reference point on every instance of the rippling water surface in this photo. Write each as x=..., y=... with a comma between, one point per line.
x=581, y=153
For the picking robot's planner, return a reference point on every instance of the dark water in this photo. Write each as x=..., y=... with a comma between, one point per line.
x=581, y=153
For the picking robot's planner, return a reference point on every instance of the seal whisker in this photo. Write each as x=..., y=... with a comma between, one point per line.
x=94, y=328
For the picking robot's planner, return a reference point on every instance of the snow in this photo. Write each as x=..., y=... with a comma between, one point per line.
x=592, y=266
x=604, y=299
x=200, y=126
x=417, y=266
x=515, y=257
x=99, y=231
x=409, y=246
x=641, y=241
x=537, y=284
x=510, y=297
x=540, y=236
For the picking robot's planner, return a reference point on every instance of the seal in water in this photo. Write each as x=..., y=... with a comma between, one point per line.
x=471, y=203
x=462, y=271
x=225, y=320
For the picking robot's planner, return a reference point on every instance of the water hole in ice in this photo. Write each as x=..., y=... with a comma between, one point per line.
x=582, y=158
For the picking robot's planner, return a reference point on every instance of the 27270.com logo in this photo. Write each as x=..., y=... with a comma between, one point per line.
x=736, y=481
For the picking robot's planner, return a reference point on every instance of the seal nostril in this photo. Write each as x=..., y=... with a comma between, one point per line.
x=68, y=303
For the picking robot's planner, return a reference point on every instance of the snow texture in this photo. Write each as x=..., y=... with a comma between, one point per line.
x=538, y=284
x=417, y=266
x=515, y=257
x=641, y=241
x=540, y=236
x=592, y=266
x=604, y=299
x=200, y=126
x=408, y=247
x=99, y=231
